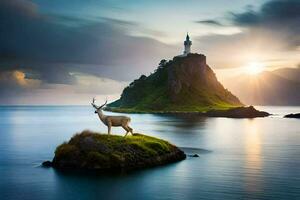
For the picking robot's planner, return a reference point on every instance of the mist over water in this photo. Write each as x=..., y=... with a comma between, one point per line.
x=239, y=158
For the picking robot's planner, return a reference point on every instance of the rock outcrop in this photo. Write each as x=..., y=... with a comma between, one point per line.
x=191, y=76
x=187, y=73
x=93, y=151
x=297, y=115
x=241, y=112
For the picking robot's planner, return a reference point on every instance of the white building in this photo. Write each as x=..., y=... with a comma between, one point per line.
x=187, y=45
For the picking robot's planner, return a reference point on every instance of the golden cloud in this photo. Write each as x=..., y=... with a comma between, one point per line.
x=18, y=78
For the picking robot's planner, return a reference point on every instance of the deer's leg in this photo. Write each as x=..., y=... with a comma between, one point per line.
x=126, y=129
x=130, y=129
x=109, y=128
x=126, y=134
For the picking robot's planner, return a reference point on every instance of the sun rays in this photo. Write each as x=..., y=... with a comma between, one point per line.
x=254, y=68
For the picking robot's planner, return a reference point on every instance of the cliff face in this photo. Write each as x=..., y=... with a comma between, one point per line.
x=186, y=73
x=191, y=73
x=182, y=84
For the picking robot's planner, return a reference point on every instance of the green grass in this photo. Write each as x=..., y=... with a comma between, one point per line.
x=158, y=101
x=174, y=108
x=93, y=150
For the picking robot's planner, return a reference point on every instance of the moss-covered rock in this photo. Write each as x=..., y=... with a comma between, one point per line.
x=93, y=151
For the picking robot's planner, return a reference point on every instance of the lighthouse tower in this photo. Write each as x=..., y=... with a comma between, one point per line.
x=187, y=45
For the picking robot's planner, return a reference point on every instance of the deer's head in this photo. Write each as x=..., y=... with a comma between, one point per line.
x=97, y=107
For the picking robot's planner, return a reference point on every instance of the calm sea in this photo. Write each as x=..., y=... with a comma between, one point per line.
x=239, y=158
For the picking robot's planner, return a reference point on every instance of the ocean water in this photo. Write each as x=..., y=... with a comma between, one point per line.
x=239, y=158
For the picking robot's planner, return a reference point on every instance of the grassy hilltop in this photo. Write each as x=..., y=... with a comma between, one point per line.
x=182, y=84
x=94, y=151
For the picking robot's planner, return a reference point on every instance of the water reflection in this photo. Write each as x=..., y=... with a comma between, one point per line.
x=247, y=159
x=253, y=158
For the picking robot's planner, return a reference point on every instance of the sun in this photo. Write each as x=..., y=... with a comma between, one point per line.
x=254, y=68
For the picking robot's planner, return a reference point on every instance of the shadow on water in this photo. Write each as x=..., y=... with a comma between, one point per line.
x=111, y=174
x=183, y=121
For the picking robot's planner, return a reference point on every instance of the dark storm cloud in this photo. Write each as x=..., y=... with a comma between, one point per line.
x=272, y=12
x=249, y=18
x=270, y=31
x=50, y=47
x=281, y=17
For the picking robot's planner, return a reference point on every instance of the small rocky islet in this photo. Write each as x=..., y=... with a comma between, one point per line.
x=93, y=151
x=239, y=112
x=296, y=115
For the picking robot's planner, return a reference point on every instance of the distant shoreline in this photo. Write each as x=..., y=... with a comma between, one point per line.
x=238, y=112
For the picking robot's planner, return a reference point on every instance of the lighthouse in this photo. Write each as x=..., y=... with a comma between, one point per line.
x=187, y=45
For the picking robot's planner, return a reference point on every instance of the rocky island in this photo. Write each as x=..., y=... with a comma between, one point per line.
x=184, y=85
x=296, y=115
x=93, y=151
x=239, y=112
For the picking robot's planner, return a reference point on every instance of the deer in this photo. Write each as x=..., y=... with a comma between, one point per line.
x=110, y=121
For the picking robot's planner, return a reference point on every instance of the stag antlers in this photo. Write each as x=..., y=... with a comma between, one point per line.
x=97, y=107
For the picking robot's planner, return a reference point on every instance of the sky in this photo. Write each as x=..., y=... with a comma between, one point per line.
x=66, y=52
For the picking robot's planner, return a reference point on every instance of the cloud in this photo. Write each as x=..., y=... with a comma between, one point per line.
x=50, y=59
x=272, y=12
x=13, y=84
x=54, y=46
x=16, y=88
x=94, y=84
x=278, y=18
x=281, y=18
x=17, y=79
x=21, y=7
x=270, y=32
x=210, y=22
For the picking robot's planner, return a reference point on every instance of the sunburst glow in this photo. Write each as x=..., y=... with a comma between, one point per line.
x=254, y=68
